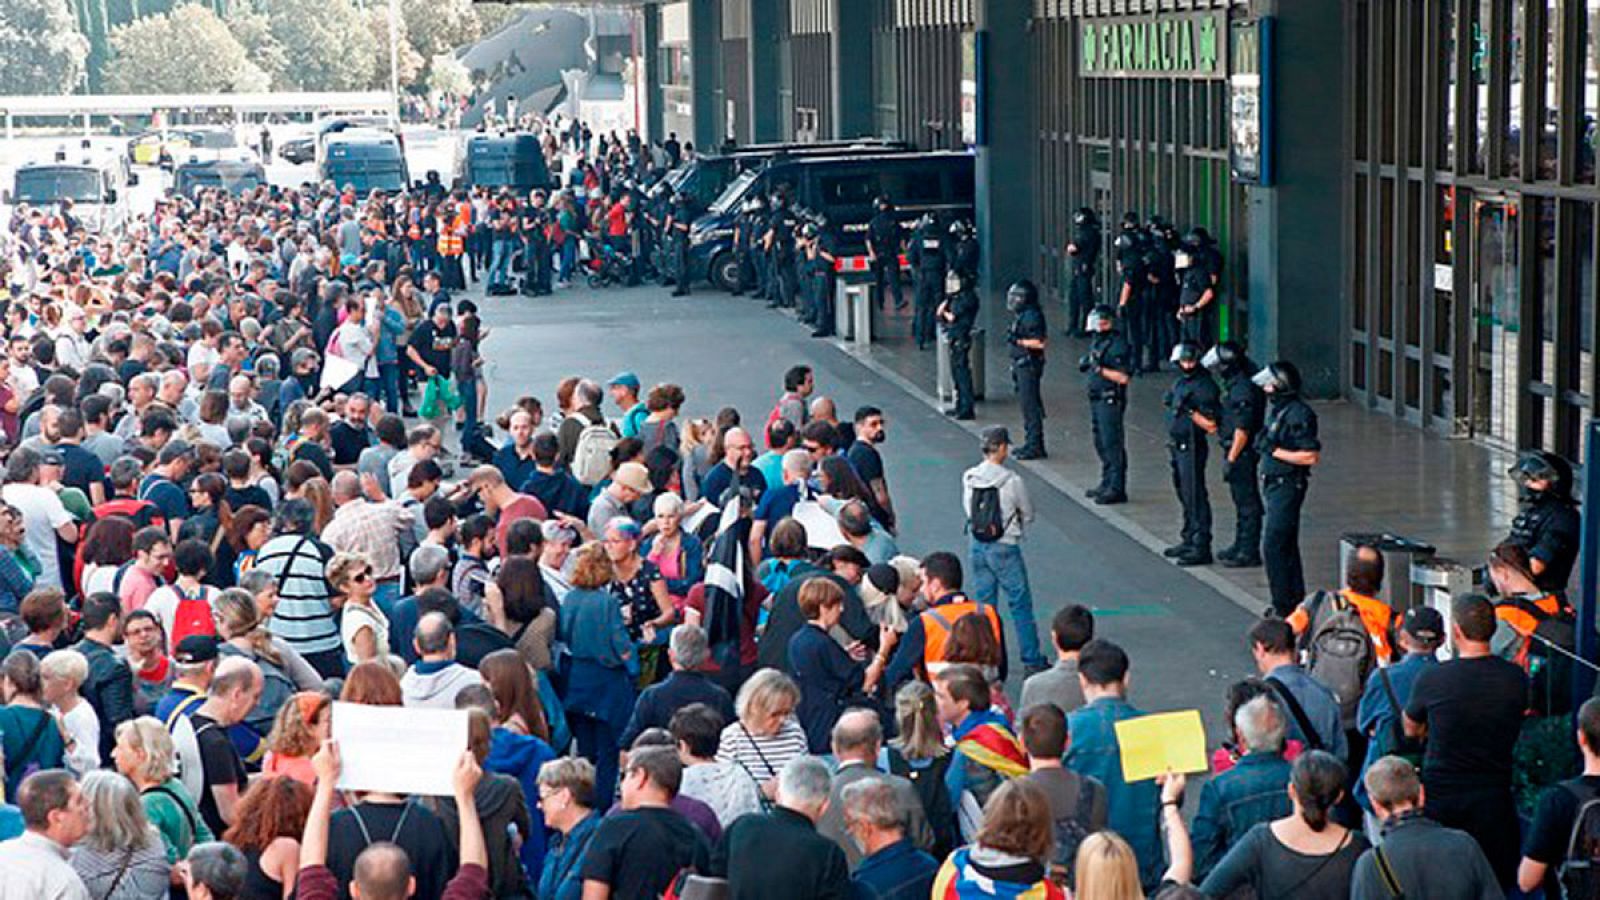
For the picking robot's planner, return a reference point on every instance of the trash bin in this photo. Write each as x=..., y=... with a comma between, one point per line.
x=1438, y=582
x=978, y=357
x=1399, y=555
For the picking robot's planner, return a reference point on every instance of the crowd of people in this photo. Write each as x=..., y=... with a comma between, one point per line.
x=693, y=658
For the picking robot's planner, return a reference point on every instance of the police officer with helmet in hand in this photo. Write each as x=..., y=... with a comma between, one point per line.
x=1243, y=408
x=1289, y=449
x=1027, y=337
x=1109, y=367
x=1193, y=409
x=928, y=256
x=1083, y=253
x=1548, y=525
x=957, y=315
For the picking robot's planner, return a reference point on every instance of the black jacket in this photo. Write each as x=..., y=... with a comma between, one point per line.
x=809, y=866
x=785, y=619
x=109, y=690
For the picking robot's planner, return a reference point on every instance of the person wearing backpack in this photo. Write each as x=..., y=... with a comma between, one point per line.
x=1389, y=688
x=998, y=509
x=1313, y=708
x=1408, y=861
x=1561, y=849
x=1078, y=803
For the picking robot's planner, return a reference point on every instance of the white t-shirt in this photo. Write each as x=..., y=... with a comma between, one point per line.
x=163, y=602
x=356, y=618
x=83, y=727
x=356, y=345
x=202, y=355
x=97, y=579
x=42, y=514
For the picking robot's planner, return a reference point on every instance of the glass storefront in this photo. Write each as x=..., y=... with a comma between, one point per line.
x=1472, y=277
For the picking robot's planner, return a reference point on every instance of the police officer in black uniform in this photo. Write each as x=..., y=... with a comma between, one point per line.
x=1244, y=406
x=884, y=244
x=1132, y=303
x=749, y=227
x=929, y=257
x=778, y=241
x=1160, y=299
x=680, y=215
x=536, y=246
x=1109, y=367
x=1083, y=254
x=1199, y=268
x=821, y=255
x=1165, y=332
x=1289, y=448
x=1027, y=337
x=1193, y=408
x=957, y=315
x=1549, y=524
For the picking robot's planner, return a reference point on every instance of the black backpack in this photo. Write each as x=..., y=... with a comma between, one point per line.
x=928, y=782
x=986, y=523
x=1070, y=832
x=1580, y=870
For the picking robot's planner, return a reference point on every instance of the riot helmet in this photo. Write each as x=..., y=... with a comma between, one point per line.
x=1021, y=295
x=808, y=230
x=961, y=229
x=1156, y=224
x=1085, y=216
x=883, y=203
x=1198, y=236
x=1102, y=314
x=1280, y=378
x=1185, y=352
x=1130, y=221
x=1124, y=243
x=1225, y=358
x=1542, y=466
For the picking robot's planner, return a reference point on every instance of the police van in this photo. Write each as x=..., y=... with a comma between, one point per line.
x=514, y=161
x=236, y=174
x=842, y=188
x=704, y=178
x=96, y=183
x=366, y=159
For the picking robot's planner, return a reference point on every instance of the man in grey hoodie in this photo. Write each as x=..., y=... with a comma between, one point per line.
x=994, y=492
x=436, y=678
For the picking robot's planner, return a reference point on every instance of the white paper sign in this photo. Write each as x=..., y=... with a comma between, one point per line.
x=822, y=529
x=337, y=372
x=398, y=750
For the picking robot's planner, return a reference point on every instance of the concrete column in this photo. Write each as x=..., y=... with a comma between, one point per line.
x=1005, y=189
x=650, y=58
x=765, y=114
x=1297, y=279
x=852, y=70
x=705, y=33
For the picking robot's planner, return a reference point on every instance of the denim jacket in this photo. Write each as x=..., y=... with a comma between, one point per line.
x=389, y=331
x=1254, y=790
x=1134, y=809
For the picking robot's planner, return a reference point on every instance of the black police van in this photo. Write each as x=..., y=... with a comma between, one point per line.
x=842, y=188
x=514, y=161
x=704, y=178
x=363, y=158
x=236, y=176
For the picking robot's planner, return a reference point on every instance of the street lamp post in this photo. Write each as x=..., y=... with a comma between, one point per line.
x=394, y=59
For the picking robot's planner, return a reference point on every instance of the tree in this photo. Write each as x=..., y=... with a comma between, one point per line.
x=329, y=42
x=440, y=26
x=491, y=16
x=447, y=75
x=410, y=61
x=42, y=48
x=252, y=30
x=186, y=51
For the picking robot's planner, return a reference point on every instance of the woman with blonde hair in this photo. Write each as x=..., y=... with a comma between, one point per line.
x=283, y=670
x=122, y=857
x=300, y=728
x=61, y=677
x=767, y=735
x=1010, y=855
x=363, y=627
x=144, y=754
x=918, y=754
x=1106, y=869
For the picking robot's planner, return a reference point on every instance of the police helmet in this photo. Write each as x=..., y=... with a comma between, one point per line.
x=1279, y=377
x=1102, y=313
x=1130, y=221
x=1124, y=242
x=1185, y=352
x=883, y=203
x=1156, y=224
x=1198, y=236
x=1021, y=294
x=960, y=228
x=1540, y=465
x=927, y=221
x=808, y=230
x=1225, y=358
x=1084, y=216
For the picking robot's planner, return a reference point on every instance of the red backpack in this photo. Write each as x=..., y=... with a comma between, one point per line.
x=775, y=415
x=192, y=616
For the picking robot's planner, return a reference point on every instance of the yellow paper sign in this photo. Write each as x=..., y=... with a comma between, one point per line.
x=1164, y=742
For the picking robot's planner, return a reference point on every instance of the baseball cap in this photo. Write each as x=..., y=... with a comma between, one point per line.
x=626, y=379
x=177, y=448
x=633, y=475
x=196, y=648
x=1423, y=623
x=52, y=458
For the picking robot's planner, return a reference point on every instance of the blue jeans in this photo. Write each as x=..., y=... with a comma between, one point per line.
x=500, y=262
x=998, y=566
x=468, y=389
x=569, y=257
x=389, y=385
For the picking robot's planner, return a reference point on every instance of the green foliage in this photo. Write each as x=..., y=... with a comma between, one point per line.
x=440, y=26
x=186, y=51
x=42, y=49
x=329, y=42
x=254, y=32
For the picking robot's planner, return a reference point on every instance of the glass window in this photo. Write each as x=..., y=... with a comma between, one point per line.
x=1583, y=253
x=1516, y=52
x=844, y=190
x=1478, y=85
x=1550, y=114
x=1447, y=83
x=1591, y=91
x=1359, y=67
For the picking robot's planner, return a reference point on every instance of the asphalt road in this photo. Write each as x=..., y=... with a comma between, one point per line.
x=1186, y=641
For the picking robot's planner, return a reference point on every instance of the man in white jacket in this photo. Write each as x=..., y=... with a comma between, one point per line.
x=997, y=506
x=436, y=678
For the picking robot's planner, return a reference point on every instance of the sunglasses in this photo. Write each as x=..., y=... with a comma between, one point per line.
x=362, y=576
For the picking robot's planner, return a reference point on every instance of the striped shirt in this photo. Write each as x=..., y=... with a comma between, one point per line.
x=304, y=618
x=762, y=757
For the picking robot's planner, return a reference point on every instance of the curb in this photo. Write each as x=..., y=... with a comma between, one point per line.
x=1246, y=601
